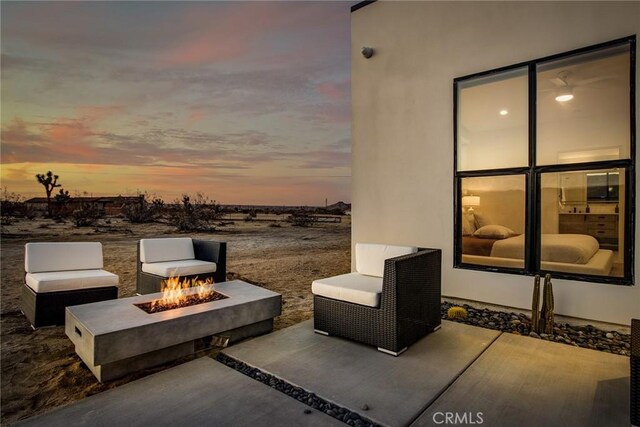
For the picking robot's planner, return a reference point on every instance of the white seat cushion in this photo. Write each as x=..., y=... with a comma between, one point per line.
x=353, y=287
x=179, y=268
x=169, y=249
x=45, y=257
x=370, y=257
x=54, y=281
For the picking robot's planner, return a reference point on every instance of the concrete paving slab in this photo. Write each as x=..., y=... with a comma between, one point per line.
x=522, y=381
x=396, y=389
x=198, y=393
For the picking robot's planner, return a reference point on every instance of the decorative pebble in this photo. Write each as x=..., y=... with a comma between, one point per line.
x=585, y=336
x=310, y=399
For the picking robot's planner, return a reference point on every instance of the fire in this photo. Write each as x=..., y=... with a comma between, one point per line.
x=173, y=291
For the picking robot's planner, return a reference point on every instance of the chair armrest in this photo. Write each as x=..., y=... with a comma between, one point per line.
x=412, y=284
x=212, y=251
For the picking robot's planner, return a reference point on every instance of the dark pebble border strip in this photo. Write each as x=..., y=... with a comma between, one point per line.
x=586, y=336
x=301, y=395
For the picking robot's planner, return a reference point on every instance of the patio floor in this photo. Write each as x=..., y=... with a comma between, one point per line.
x=198, y=393
x=511, y=380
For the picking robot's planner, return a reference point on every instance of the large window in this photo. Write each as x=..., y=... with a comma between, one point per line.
x=545, y=166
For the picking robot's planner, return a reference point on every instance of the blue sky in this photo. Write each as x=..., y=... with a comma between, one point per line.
x=247, y=102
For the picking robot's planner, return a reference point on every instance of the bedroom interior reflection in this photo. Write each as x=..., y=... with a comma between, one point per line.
x=493, y=232
x=586, y=209
x=580, y=242
x=581, y=211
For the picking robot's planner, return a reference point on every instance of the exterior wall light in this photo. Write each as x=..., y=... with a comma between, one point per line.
x=367, y=52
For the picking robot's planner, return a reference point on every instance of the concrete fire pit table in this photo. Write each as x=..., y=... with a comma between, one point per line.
x=116, y=337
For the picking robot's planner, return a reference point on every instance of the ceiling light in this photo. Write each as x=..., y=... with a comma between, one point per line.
x=503, y=112
x=564, y=94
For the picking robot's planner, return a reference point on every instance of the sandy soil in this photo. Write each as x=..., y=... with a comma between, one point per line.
x=40, y=370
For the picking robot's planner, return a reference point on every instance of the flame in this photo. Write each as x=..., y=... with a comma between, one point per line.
x=173, y=291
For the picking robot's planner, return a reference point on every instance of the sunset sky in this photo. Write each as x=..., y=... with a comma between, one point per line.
x=247, y=102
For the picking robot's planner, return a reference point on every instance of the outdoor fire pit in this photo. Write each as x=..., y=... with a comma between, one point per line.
x=173, y=295
x=120, y=336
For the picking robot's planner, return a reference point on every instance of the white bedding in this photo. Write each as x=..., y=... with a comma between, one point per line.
x=565, y=248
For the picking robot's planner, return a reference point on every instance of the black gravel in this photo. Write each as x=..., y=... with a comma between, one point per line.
x=310, y=399
x=520, y=324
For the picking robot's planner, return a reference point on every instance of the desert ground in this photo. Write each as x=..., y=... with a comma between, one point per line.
x=40, y=370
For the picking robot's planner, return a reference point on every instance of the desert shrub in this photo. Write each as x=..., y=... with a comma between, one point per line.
x=9, y=206
x=194, y=215
x=60, y=205
x=12, y=207
x=275, y=225
x=150, y=210
x=86, y=215
x=301, y=219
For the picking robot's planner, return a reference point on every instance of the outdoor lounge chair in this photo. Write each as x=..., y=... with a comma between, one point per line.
x=391, y=301
x=159, y=259
x=58, y=275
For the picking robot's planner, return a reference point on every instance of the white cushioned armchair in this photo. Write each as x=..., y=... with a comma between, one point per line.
x=390, y=301
x=58, y=275
x=159, y=259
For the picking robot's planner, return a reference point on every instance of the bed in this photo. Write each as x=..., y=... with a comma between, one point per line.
x=569, y=253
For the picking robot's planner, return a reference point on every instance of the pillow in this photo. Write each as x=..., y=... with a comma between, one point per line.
x=494, y=232
x=480, y=220
x=468, y=224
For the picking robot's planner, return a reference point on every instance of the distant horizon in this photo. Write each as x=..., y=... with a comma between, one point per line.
x=245, y=102
x=178, y=200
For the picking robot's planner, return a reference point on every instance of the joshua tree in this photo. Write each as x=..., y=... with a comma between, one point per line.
x=49, y=181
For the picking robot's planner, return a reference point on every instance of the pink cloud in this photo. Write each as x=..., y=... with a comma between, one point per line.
x=232, y=31
x=98, y=113
x=231, y=35
x=70, y=139
x=195, y=116
x=330, y=90
x=335, y=91
x=16, y=134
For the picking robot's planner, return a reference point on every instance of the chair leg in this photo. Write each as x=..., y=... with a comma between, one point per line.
x=393, y=353
x=318, y=331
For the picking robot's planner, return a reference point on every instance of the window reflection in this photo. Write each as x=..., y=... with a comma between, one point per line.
x=492, y=121
x=583, y=107
x=493, y=221
x=582, y=228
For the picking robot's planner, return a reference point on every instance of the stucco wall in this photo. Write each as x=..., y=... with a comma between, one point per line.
x=402, y=112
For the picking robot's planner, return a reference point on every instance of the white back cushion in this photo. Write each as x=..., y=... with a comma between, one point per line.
x=370, y=257
x=167, y=249
x=41, y=257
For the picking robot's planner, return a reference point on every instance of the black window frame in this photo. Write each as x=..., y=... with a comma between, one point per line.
x=533, y=175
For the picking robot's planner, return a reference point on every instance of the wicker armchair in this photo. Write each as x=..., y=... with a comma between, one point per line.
x=199, y=250
x=409, y=305
x=635, y=372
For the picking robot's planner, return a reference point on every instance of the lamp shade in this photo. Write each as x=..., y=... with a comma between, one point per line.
x=471, y=201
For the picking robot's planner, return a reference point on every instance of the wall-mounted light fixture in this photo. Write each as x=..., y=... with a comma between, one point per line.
x=367, y=52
